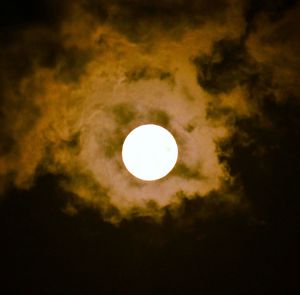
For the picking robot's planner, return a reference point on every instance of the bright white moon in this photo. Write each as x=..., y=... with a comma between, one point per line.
x=149, y=152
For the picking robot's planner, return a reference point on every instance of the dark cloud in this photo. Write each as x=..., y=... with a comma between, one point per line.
x=228, y=66
x=275, y=10
x=13, y=108
x=71, y=63
x=124, y=113
x=113, y=144
x=146, y=73
x=265, y=158
x=42, y=48
x=159, y=117
x=275, y=45
x=262, y=151
x=140, y=19
x=184, y=171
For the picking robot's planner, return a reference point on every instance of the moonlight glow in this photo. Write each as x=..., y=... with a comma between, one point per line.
x=149, y=152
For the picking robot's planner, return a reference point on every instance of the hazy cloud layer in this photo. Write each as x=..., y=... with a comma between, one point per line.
x=74, y=86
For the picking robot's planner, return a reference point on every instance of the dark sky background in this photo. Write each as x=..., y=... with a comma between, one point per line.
x=209, y=245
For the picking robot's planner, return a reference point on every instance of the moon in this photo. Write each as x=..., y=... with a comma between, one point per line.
x=149, y=152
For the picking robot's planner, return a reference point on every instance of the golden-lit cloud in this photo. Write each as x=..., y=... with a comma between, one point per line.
x=70, y=115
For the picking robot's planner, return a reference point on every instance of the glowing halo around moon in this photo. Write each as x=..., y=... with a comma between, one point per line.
x=149, y=152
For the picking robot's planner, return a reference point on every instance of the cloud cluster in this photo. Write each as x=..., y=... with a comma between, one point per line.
x=72, y=90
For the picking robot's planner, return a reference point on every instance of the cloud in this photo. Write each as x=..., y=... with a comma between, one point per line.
x=141, y=20
x=276, y=46
x=71, y=93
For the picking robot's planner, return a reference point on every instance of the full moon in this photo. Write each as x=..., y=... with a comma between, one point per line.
x=149, y=152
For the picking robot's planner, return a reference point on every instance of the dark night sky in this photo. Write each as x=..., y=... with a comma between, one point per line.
x=55, y=240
